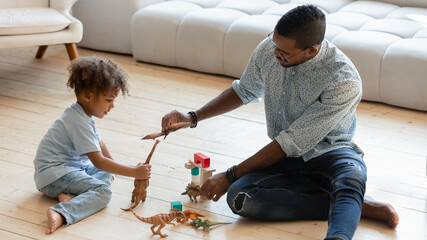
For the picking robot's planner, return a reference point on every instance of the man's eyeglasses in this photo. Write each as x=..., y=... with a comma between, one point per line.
x=282, y=54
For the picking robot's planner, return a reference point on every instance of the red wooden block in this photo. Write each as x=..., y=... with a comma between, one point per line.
x=203, y=159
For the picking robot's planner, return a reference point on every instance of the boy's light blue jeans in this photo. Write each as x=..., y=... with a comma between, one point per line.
x=331, y=186
x=91, y=188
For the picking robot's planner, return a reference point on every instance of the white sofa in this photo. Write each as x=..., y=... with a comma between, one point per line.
x=385, y=39
x=107, y=23
x=27, y=23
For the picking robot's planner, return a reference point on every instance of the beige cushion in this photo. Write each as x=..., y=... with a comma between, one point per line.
x=371, y=8
x=399, y=27
x=15, y=21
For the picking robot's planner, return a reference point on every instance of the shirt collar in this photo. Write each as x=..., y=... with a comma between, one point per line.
x=76, y=106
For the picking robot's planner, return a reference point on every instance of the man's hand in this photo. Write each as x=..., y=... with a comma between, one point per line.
x=215, y=187
x=170, y=122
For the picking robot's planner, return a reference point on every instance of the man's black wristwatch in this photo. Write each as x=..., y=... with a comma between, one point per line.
x=231, y=174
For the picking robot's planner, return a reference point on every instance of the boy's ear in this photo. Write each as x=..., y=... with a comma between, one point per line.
x=88, y=95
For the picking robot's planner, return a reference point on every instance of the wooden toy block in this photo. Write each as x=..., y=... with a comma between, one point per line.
x=190, y=165
x=195, y=179
x=205, y=174
x=176, y=205
x=195, y=171
x=202, y=165
x=203, y=159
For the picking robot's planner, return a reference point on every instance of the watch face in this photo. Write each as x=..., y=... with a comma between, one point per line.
x=229, y=175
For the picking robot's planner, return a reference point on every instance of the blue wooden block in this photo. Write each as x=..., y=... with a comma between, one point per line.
x=177, y=205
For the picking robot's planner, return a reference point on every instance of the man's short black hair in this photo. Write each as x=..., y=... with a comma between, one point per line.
x=306, y=24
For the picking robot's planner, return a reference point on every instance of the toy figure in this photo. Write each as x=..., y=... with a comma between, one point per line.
x=161, y=220
x=193, y=191
x=140, y=186
x=165, y=133
x=190, y=214
x=205, y=224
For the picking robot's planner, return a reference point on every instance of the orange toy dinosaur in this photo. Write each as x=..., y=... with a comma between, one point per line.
x=190, y=214
x=161, y=220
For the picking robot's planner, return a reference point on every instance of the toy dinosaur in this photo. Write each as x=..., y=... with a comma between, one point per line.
x=190, y=214
x=193, y=191
x=172, y=127
x=161, y=220
x=140, y=186
x=205, y=224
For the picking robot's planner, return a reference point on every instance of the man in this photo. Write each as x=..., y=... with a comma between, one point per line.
x=311, y=169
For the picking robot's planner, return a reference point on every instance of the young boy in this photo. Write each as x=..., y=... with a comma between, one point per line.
x=72, y=162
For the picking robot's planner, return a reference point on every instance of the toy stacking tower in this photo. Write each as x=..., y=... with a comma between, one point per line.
x=200, y=165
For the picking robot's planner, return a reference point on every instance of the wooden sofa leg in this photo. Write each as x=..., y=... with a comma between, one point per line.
x=72, y=50
x=41, y=51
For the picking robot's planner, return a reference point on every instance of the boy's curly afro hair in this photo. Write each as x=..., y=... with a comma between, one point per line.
x=97, y=75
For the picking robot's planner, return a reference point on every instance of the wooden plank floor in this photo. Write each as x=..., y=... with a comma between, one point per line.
x=33, y=95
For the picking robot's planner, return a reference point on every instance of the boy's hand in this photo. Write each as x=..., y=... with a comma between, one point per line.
x=143, y=171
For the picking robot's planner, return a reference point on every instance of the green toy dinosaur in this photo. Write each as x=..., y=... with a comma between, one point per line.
x=205, y=224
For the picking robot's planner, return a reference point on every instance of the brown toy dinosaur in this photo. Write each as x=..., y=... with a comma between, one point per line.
x=173, y=127
x=192, y=190
x=140, y=186
x=161, y=220
x=190, y=214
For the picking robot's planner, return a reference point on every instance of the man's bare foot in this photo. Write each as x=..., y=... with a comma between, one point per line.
x=380, y=211
x=64, y=197
x=55, y=220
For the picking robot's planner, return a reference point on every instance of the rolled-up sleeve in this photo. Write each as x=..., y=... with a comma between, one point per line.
x=321, y=118
x=250, y=87
x=244, y=95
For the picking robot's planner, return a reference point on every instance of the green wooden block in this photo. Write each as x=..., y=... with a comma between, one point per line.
x=177, y=205
x=195, y=171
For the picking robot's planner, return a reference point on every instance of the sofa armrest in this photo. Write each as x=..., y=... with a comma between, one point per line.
x=62, y=5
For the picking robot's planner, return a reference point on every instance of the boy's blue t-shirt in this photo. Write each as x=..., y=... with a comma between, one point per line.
x=63, y=148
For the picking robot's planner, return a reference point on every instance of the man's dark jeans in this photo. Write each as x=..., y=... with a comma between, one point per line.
x=331, y=186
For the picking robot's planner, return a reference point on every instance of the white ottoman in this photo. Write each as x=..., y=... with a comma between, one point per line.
x=328, y=6
x=400, y=27
x=106, y=23
x=154, y=31
x=204, y=3
x=371, y=8
x=200, y=40
x=366, y=50
x=248, y=7
x=218, y=36
x=240, y=39
x=404, y=74
x=348, y=20
x=333, y=30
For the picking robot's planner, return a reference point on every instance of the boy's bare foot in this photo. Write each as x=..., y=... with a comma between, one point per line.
x=54, y=221
x=380, y=211
x=63, y=197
